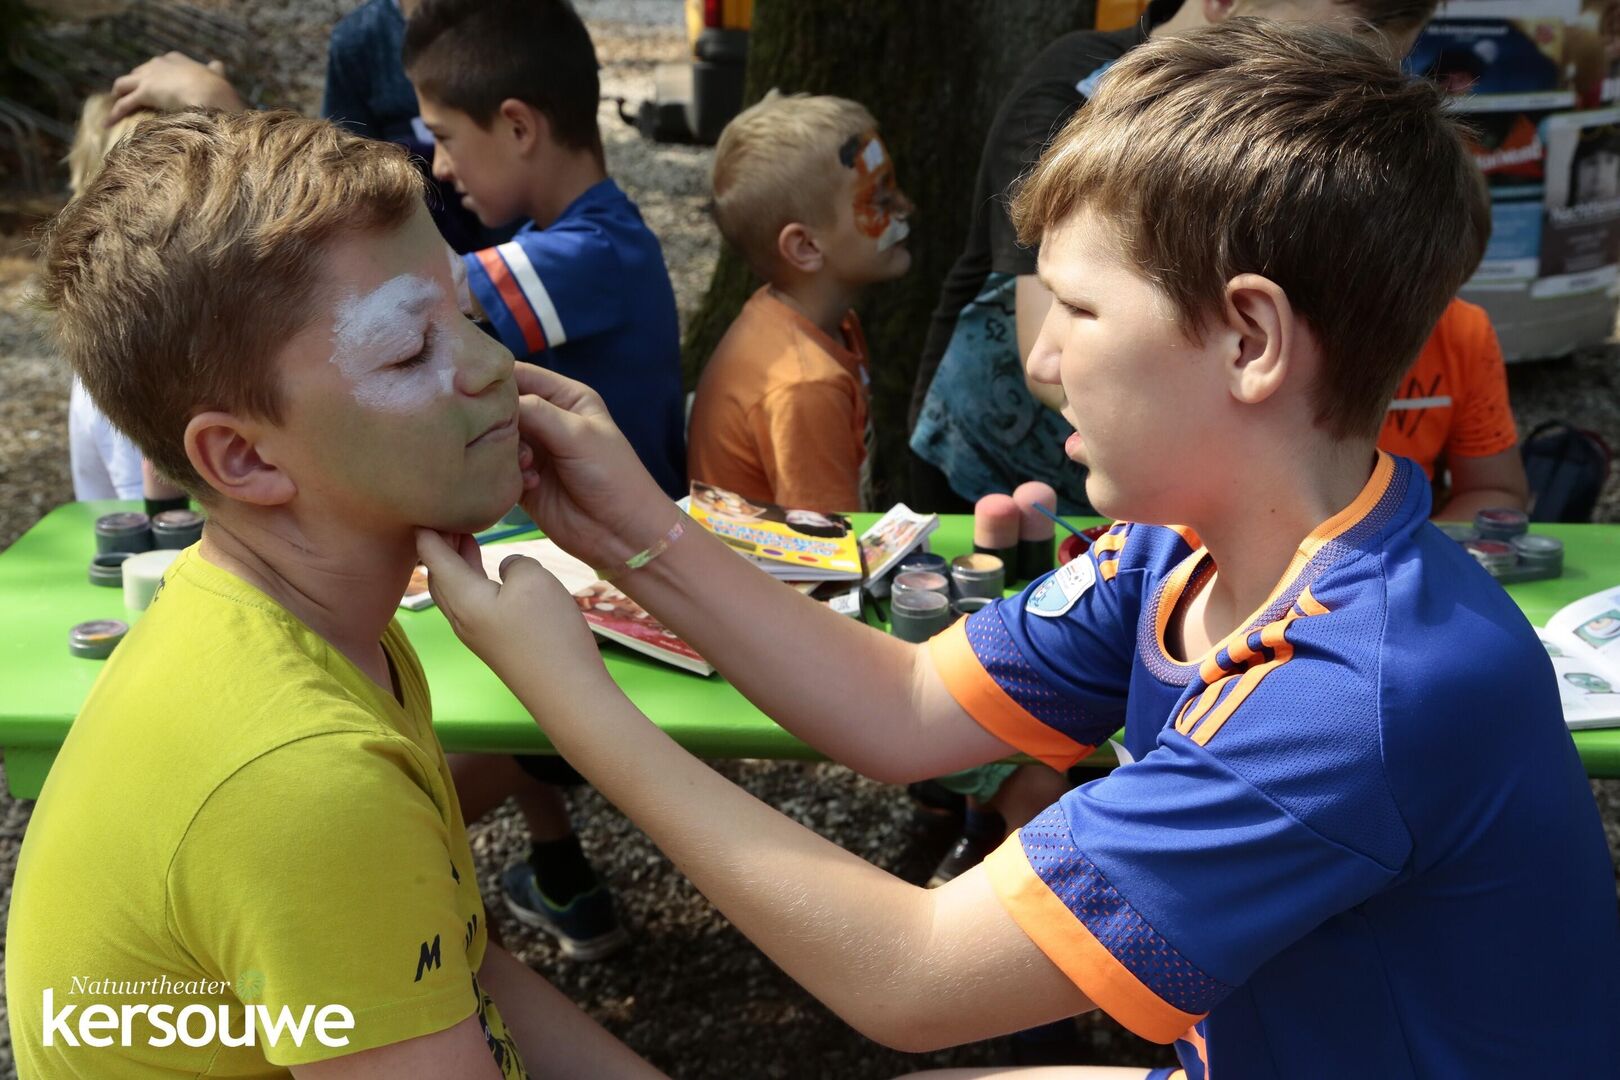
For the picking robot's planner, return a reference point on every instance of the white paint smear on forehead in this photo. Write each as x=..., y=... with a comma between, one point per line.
x=385, y=325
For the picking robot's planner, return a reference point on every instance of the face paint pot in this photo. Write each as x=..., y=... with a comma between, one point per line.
x=1542, y=553
x=925, y=560
x=979, y=575
x=96, y=640
x=1460, y=531
x=177, y=528
x=108, y=568
x=1496, y=556
x=969, y=604
x=995, y=528
x=128, y=531
x=921, y=581
x=1501, y=524
x=918, y=616
x=1035, y=529
x=143, y=573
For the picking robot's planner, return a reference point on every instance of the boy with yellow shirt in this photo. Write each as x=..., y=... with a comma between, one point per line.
x=248, y=859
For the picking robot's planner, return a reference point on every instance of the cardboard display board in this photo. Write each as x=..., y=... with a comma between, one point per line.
x=1539, y=81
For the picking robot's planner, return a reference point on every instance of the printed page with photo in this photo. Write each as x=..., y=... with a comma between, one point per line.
x=1583, y=640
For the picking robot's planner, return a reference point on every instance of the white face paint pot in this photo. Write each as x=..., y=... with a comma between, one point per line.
x=143, y=573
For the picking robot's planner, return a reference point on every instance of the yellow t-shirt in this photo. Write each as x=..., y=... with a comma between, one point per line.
x=240, y=817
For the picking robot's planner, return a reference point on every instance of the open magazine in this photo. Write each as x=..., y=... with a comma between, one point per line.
x=1583, y=640
x=794, y=545
x=608, y=612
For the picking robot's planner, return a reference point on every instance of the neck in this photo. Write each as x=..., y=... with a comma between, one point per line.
x=1189, y=16
x=818, y=298
x=567, y=175
x=1260, y=522
x=342, y=586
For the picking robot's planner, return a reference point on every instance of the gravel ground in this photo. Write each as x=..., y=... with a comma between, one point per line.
x=691, y=994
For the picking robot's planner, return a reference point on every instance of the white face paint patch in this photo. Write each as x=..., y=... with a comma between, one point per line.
x=896, y=231
x=373, y=333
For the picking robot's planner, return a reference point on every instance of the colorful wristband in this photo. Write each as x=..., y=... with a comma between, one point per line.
x=642, y=558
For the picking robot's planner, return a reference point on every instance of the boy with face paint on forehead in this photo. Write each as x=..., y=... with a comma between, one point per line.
x=805, y=191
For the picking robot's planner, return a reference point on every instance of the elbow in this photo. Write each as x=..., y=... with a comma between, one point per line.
x=893, y=773
x=904, y=1030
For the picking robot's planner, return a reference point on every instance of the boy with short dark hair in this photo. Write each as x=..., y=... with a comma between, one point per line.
x=804, y=190
x=509, y=90
x=1351, y=778
x=252, y=818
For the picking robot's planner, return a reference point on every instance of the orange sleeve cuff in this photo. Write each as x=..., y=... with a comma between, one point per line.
x=991, y=706
x=1069, y=944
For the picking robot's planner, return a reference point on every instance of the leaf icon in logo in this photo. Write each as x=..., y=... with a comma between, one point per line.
x=250, y=986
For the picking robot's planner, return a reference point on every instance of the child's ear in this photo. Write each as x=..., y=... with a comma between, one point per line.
x=799, y=249
x=223, y=450
x=1218, y=10
x=526, y=126
x=1262, y=330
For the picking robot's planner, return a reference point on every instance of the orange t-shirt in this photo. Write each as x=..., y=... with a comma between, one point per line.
x=1454, y=400
x=781, y=410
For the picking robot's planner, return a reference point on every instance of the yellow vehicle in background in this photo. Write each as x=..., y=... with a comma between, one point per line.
x=718, y=30
x=694, y=101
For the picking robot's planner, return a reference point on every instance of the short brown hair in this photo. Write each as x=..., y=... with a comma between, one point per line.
x=472, y=55
x=1294, y=151
x=777, y=163
x=197, y=252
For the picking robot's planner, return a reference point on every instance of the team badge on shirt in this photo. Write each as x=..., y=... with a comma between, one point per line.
x=1057, y=594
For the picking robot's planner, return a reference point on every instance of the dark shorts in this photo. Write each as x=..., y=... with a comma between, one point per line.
x=549, y=769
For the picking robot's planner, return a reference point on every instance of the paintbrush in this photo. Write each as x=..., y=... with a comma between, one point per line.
x=1074, y=529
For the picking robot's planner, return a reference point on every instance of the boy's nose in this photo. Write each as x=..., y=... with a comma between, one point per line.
x=442, y=169
x=484, y=363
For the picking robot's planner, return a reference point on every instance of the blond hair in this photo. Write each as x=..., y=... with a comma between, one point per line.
x=196, y=252
x=94, y=138
x=777, y=164
x=1294, y=151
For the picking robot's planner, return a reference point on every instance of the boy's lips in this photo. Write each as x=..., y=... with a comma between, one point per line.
x=497, y=432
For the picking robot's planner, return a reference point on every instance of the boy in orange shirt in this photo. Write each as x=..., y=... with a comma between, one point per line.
x=1451, y=412
x=805, y=191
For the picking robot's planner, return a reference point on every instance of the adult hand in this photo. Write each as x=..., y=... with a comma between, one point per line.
x=526, y=625
x=173, y=81
x=593, y=498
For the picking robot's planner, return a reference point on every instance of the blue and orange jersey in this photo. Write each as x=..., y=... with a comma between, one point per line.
x=589, y=297
x=1355, y=839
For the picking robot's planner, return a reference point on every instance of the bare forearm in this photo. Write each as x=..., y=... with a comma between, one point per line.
x=1464, y=505
x=904, y=965
x=845, y=688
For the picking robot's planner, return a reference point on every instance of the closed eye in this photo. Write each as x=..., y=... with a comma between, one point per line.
x=1073, y=311
x=421, y=352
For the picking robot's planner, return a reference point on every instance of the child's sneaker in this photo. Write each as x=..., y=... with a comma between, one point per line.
x=586, y=927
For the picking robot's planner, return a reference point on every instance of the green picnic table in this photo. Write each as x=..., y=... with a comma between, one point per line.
x=44, y=591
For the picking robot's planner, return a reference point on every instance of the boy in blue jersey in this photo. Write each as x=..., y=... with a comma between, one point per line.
x=509, y=89
x=1356, y=839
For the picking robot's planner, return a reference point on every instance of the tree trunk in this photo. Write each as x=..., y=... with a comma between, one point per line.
x=933, y=75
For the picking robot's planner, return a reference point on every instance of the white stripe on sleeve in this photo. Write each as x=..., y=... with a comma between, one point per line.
x=535, y=290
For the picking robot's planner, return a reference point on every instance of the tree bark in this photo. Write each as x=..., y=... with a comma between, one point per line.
x=933, y=75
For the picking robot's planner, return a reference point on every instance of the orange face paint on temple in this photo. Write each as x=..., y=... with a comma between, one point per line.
x=877, y=194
